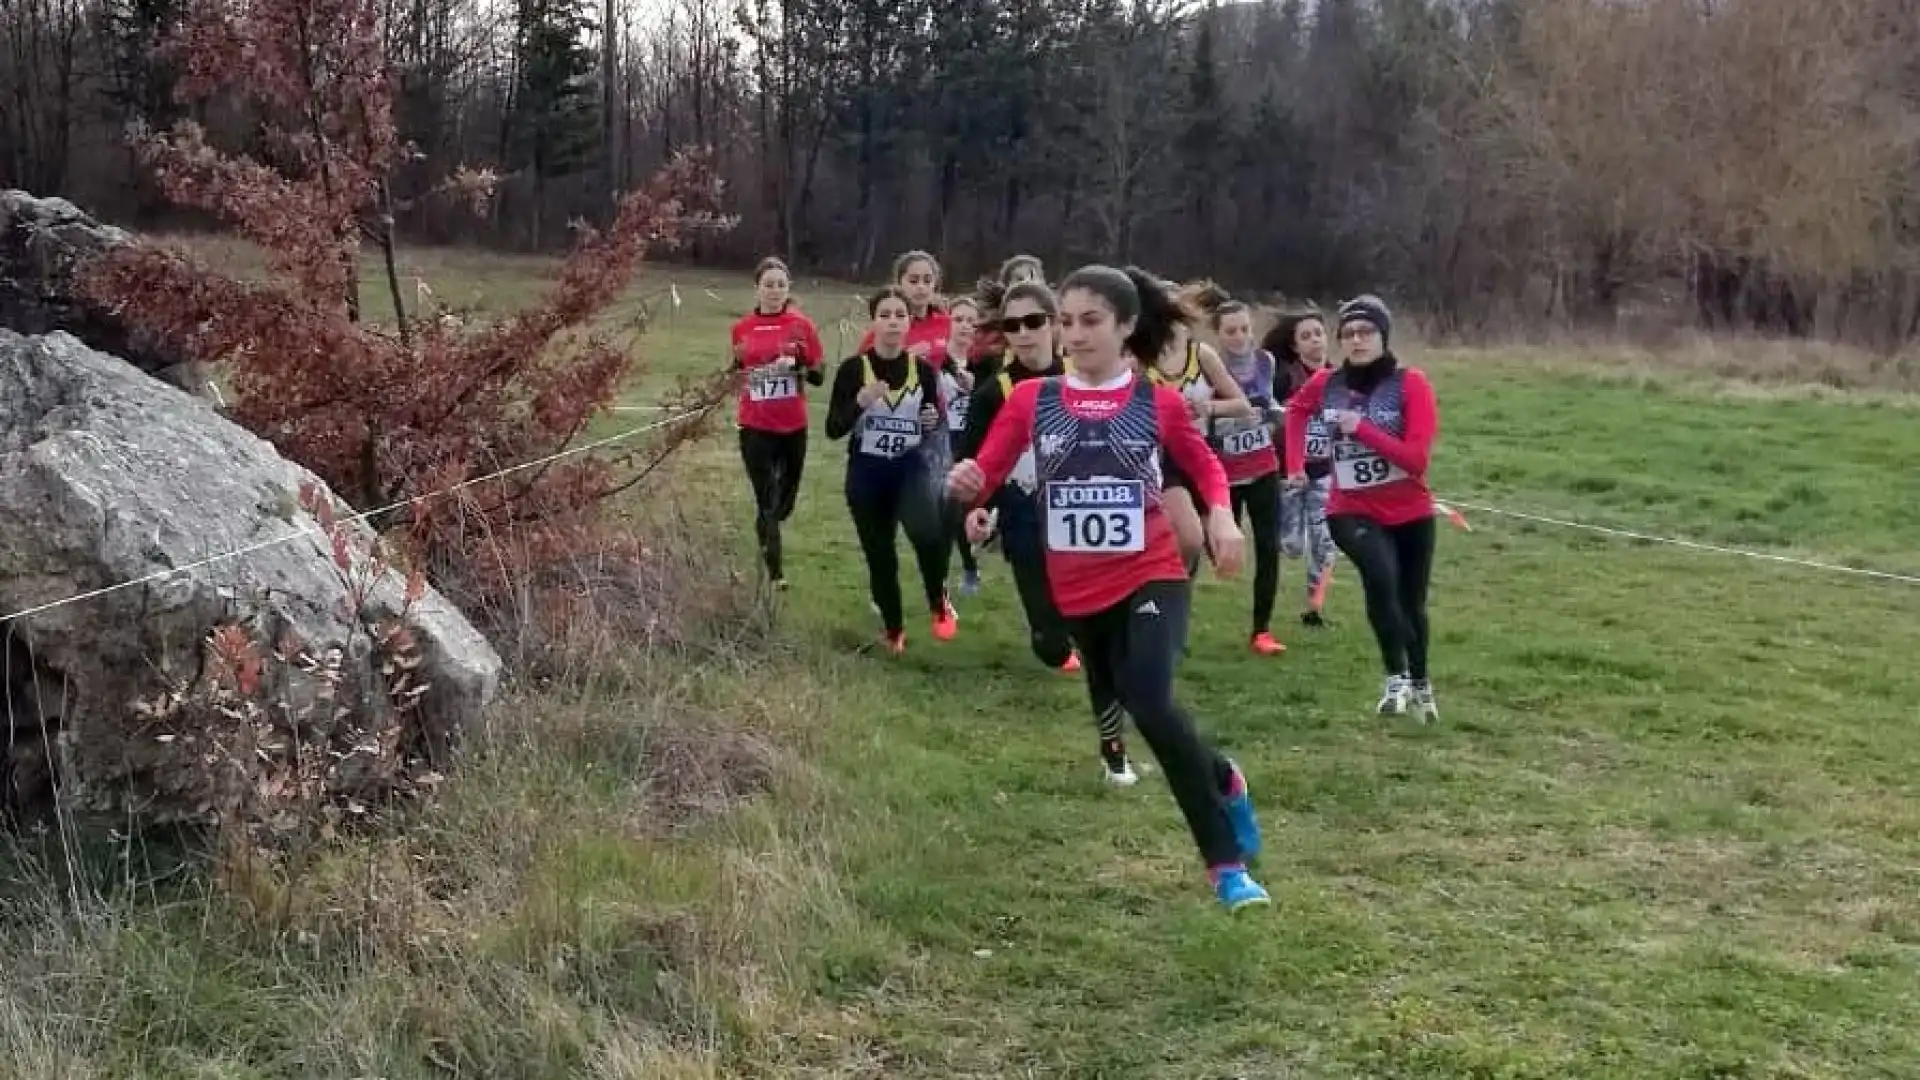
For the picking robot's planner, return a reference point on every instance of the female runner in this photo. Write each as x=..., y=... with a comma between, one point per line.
x=1380, y=510
x=957, y=382
x=1299, y=340
x=774, y=347
x=1247, y=453
x=1164, y=343
x=890, y=403
x=1114, y=568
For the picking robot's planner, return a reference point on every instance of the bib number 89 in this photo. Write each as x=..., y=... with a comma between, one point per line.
x=1370, y=471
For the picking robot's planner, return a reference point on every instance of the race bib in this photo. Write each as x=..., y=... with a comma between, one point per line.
x=1357, y=466
x=889, y=436
x=1096, y=517
x=957, y=412
x=1247, y=440
x=771, y=384
x=1319, y=445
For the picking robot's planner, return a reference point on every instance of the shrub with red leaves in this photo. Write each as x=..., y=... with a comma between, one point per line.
x=385, y=415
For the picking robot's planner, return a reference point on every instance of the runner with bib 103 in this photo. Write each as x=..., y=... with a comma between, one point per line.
x=1383, y=418
x=1097, y=437
x=888, y=401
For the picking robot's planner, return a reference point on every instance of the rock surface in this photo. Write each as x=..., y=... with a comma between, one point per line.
x=108, y=476
x=44, y=245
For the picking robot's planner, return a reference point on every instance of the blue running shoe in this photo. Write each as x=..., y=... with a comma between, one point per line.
x=970, y=584
x=1237, y=890
x=1246, y=829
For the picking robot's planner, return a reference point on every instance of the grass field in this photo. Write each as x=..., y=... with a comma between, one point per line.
x=1668, y=827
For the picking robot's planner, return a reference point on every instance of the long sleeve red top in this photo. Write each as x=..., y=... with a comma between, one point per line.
x=1399, y=501
x=1085, y=584
x=760, y=339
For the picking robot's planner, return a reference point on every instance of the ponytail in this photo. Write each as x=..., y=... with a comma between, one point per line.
x=1161, y=312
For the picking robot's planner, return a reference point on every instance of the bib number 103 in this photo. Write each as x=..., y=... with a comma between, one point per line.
x=1096, y=517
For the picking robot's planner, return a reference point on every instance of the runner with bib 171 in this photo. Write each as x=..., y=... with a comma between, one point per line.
x=775, y=347
x=1113, y=565
x=1383, y=418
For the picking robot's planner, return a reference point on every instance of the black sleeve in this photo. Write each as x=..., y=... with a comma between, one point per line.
x=843, y=405
x=981, y=409
x=816, y=374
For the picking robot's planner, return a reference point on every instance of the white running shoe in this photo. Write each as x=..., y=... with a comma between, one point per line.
x=1121, y=774
x=1423, y=704
x=1395, y=698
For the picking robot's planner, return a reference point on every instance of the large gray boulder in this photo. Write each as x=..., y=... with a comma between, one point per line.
x=108, y=477
x=45, y=245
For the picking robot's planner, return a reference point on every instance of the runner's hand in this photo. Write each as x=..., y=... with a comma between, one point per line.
x=1225, y=541
x=965, y=480
x=979, y=521
x=1348, y=420
x=872, y=393
x=1296, y=481
x=929, y=417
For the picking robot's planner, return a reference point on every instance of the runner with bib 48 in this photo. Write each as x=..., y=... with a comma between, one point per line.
x=1114, y=568
x=888, y=401
x=1383, y=418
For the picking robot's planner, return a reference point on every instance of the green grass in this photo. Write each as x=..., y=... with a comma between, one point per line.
x=1667, y=828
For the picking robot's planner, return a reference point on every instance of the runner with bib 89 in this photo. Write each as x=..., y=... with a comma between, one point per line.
x=1383, y=418
x=1114, y=568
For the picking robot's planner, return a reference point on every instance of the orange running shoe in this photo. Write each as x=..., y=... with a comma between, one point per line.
x=947, y=623
x=1266, y=644
x=895, y=641
x=1072, y=666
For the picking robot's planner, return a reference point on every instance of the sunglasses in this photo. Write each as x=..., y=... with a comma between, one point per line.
x=1032, y=320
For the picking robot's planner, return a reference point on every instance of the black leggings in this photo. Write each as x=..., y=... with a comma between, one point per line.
x=1261, y=498
x=1395, y=563
x=876, y=519
x=1129, y=651
x=775, y=461
x=1047, y=630
x=968, y=564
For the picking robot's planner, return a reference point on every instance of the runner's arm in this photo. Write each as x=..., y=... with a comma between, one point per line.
x=1189, y=449
x=1413, y=450
x=1229, y=401
x=1007, y=438
x=1301, y=406
x=812, y=352
x=843, y=405
x=982, y=407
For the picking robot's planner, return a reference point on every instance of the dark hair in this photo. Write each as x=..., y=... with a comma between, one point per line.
x=907, y=259
x=1161, y=311
x=1007, y=268
x=1279, y=340
x=1035, y=291
x=890, y=292
x=1116, y=288
x=770, y=263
